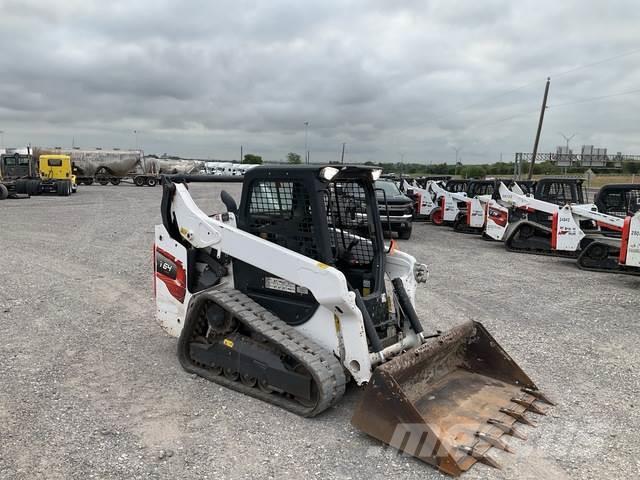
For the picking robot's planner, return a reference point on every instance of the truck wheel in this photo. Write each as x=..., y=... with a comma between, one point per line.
x=4, y=192
x=103, y=181
x=63, y=188
x=22, y=186
x=405, y=234
x=115, y=181
x=152, y=182
x=88, y=181
x=33, y=187
x=139, y=181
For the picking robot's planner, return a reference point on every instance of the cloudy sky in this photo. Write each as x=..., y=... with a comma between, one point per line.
x=392, y=79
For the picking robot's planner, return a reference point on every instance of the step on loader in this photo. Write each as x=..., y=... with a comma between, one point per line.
x=293, y=293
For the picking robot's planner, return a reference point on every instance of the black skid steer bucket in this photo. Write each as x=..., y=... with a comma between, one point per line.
x=450, y=400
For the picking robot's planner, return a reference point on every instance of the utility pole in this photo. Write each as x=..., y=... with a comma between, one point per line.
x=241, y=157
x=535, y=145
x=2, y=137
x=342, y=158
x=135, y=132
x=306, y=148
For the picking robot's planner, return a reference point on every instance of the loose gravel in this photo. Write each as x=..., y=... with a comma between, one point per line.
x=90, y=386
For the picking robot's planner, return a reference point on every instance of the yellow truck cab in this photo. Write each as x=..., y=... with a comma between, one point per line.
x=57, y=171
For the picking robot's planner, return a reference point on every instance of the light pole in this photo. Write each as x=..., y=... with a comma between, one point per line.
x=2, y=138
x=306, y=151
x=135, y=132
x=457, y=150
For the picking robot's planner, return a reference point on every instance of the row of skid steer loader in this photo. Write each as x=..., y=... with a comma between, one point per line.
x=599, y=241
x=293, y=293
x=460, y=204
x=467, y=211
x=546, y=217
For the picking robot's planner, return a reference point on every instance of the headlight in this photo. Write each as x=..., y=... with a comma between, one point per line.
x=327, y=173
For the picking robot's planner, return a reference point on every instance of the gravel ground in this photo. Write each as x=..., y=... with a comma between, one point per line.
x=91, y=387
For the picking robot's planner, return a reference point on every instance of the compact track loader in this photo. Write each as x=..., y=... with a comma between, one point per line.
x=292, y=294
x=423, y=197
x=611, y=244
x=522, y=226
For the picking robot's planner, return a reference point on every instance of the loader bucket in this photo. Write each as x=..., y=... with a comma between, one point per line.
x=450, y=400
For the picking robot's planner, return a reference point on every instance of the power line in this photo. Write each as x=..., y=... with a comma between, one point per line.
x=594, y=99
x=589, y=65
x=559, y=74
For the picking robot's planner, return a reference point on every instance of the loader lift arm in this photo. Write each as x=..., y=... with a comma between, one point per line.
x=327, y=284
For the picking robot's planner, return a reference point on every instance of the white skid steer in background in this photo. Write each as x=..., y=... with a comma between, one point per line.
x=595, y=249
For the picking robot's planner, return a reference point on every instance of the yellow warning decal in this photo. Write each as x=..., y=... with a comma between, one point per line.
x=183, y=231
x=228, y=343
x=322, y=265
x=337, y=323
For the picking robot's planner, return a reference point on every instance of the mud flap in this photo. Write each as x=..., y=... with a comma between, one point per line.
x=449, y=401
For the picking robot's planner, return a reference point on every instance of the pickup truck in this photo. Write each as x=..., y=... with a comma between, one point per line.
x=400, y=208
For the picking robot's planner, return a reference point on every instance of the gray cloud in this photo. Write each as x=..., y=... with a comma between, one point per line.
x=389, y=78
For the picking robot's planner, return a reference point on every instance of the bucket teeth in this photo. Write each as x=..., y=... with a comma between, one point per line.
x=538, y=394
x=482, y=458
x=508, y=429
x=519, y=416
x=494, y=441
x=529, y=405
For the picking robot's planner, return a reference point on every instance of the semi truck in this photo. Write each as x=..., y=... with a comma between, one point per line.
x=21, y=174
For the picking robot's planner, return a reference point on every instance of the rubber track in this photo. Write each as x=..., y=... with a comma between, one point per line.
x=324, y=367
x=548, y=253
x=619, y=270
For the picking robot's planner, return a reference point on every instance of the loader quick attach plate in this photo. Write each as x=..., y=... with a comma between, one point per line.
x=450, y=400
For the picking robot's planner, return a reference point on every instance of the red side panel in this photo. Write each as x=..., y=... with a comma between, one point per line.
x=624, y=244
x=499, y=217
x=609, y=227
x=418, y=206
x=172, y=273
x=554, y=230
x=153, y=259
x=469, y=212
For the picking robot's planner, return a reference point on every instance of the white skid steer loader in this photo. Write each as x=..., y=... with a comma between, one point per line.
x=425, y=197
x=293, y=293
x=594, y=249
x=446, y=210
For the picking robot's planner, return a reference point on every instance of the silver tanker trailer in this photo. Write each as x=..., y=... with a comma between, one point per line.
x=108, y=166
